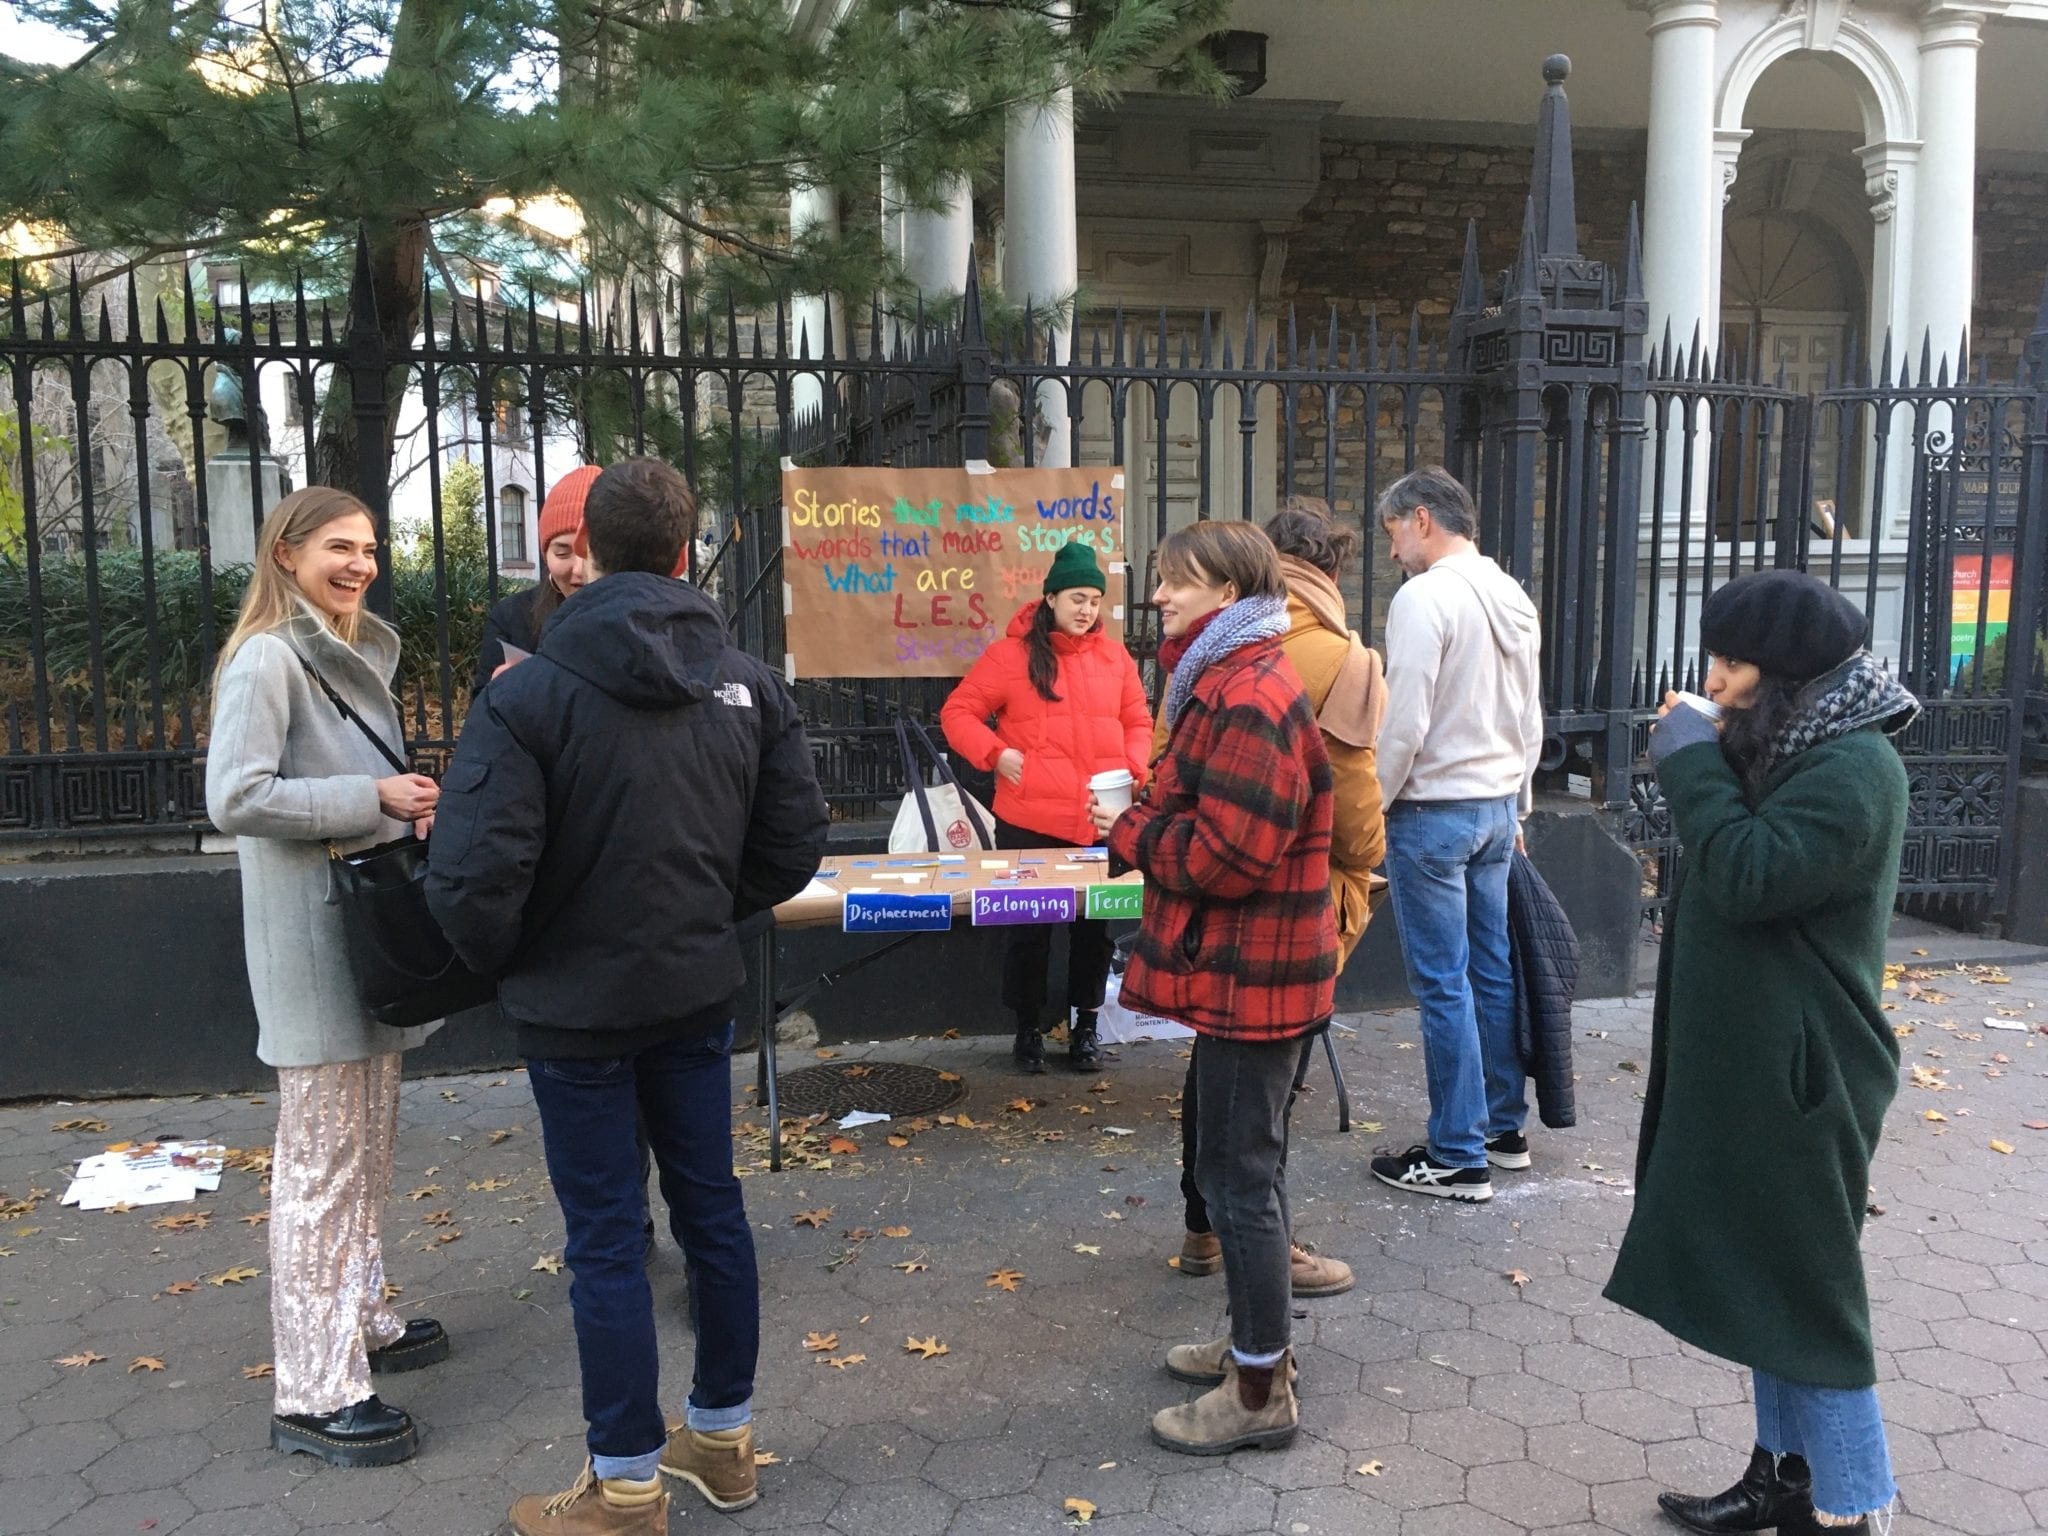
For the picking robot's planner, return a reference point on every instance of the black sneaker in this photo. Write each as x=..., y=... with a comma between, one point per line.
x=1420, y=1174
x=1508, y=1150
x=1028, y=1049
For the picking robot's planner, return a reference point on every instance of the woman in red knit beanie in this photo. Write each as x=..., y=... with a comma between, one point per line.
x=517, y=619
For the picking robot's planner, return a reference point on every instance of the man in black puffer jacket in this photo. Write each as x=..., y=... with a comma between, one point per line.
x=618, y=802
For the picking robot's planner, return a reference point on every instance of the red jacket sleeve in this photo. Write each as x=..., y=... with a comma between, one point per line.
x=981, y=694
x=1137, y=723
x=1254, y=790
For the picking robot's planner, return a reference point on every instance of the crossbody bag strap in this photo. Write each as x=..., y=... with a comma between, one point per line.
x=913, y=777
x=349, y=714
x=984, y=835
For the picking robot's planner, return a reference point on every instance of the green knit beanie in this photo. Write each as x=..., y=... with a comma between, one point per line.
x=1074, y=566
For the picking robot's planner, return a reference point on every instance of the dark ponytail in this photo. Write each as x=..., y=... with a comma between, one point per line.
x=1043, y=663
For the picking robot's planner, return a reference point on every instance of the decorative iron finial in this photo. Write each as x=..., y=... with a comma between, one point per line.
x=1550, y=184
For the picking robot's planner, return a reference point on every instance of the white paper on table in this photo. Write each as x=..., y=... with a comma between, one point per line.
x=860, y=1117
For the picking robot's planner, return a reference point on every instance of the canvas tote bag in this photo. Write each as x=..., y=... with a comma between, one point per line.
x=940, y=816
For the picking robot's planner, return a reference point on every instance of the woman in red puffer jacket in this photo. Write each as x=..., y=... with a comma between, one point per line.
x=1066, y=704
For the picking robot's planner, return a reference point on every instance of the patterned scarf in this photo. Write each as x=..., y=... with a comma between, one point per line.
x=1226, y=630
x=1858, y=693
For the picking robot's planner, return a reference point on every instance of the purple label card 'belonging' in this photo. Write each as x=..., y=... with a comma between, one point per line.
x=1039, y=904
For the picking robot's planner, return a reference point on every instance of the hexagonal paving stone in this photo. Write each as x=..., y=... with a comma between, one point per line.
x=1527, y=1492
x=157, y=1461
x=1119, y=1488
x=1334, y=1512
x=983, y=1469
x=1213, y=1501
x=1995, y=1458
x=1526, y=1400
x=1587, y=1454
x=1467, y=1436
x=1965, y=1504
x=1456, y=1520
x=1410, y=1477
x=901, y=1507
x=866, y=1453
x=1641, y=1416
x=1579, y=1366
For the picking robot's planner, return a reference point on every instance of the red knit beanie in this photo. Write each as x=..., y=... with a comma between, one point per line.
x=562, y=512
x=583, y=532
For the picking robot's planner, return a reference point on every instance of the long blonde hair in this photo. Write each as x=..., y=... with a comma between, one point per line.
x=273, y=595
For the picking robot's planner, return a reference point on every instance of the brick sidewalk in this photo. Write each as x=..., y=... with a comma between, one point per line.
x=1440, y=1399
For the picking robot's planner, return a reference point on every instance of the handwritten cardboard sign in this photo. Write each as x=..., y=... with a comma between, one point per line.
x=1035, y=904
x=1116, y=901
x=916, y=572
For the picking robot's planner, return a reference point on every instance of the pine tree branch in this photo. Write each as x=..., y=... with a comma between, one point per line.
x=721, y=236
x=291, y=86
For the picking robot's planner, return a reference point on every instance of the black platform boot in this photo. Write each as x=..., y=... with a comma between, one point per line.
x=1084, y=1051
x=365, y=1434
x=1774, y=1492
x=1028, y=1051
x=1809, y=1525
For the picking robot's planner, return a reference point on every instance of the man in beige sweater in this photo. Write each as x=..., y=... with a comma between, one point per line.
x=1457, y=755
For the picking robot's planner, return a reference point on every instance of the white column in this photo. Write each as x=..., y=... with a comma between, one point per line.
x=1041, y=234
x=813, y=211
x=1945, y=189
x=1890, y=179
x=939, y=242
x=1682, y=184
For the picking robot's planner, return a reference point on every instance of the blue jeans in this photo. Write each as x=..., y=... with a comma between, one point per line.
x=1839, y=1433
x=683, y=1091
x=1447, y=862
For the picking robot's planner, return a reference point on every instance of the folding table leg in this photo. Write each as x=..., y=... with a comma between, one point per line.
x=1337, y=1073
x=764, y=1023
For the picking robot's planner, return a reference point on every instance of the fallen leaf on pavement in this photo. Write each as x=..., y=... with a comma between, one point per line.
x=82, y=1359
x=507, y=1133
x=233, y=1276
x=1373, y=1468
x=186, y=1221
x=842, y=1146
x=477, y=1185
x=863, y=1070
x=841, y=1362
x=549, y=1264
x=1081, y=1510
x=438, y=1219
x=424, y=1192
x=821, y=1343
x=895, y=1231
x=144, y=1363
x=824, y=1055
x=899, y=1141
x=1174, y=1262
x=1003, y=1280
x=2035, y=1125
x=1515, y=1278
x=95, y=1126
x=766, y=1459
x=2002, y=1146
x=816, y=1218
x=857, y=1234
x=254, y=1218
x=1088, y=1248
x=949, y=1077
x=258, y=1372
x=951, y=1034
x=1020, y=1106
x=1933, y=1114
x=927, y=1347
x=393, y=1292
x=912, y=1266
x=181, y=1288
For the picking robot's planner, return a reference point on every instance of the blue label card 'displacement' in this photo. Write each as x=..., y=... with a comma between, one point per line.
x=896, y=912
x=1038, y=904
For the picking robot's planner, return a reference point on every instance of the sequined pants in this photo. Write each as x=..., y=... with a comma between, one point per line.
x=330, y=1178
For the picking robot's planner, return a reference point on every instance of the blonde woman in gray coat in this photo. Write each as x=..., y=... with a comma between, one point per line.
x=287, y=774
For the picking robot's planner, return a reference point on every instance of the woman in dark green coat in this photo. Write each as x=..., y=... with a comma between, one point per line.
x=1773, y=1062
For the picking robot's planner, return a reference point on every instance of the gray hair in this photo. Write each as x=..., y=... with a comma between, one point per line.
x=1433, y=489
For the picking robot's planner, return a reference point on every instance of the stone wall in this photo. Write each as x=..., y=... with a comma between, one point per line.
x=2012, y=263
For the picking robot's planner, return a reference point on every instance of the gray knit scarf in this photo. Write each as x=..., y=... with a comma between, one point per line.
x=1858, y=693
x=1244, y=621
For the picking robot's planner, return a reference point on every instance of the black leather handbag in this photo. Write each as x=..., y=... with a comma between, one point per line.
x=406, y=971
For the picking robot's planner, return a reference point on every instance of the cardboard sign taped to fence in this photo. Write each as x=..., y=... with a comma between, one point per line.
x=916, y=572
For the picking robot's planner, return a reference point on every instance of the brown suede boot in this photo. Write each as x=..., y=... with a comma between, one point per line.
x=718, y=1463
x=1314, y=1275
x=595, y=1506
x=1203, y=1365
x=1201, y=1253
x=1253, y=1406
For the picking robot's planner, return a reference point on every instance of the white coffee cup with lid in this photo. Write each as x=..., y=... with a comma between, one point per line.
x=1112, y=790
x=1699, y=702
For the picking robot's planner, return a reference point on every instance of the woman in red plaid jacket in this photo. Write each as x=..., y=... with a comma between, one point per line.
x=1239, y=942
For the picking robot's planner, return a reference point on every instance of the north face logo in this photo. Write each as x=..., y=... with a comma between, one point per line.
x=735, y=694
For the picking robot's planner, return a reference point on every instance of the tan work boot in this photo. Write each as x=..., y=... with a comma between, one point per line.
x=718, y=1463
x=1203, y=1365
x=1252, y=1407
x=1314, y=1275
x=1201, y=1253
x=595, y=1506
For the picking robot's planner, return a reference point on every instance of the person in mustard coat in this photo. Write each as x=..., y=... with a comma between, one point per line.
x=1347, y=688
x=1046, y=708
x=1772, y=1061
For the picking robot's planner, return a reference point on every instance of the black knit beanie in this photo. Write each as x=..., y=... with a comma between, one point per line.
x=1788, y=623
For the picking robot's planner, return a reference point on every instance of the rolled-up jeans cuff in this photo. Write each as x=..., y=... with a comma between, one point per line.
x=637, y=1469
x=708, y=1421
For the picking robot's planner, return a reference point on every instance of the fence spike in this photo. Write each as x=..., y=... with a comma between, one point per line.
x=430, y=346
x=163, y=324
x=1470, y=301
x=1632, y=259
x=1372, y=338
x=1293, y=338
x=1116, y=338
x=1414, y=336
x=1206, y=322
x=1227, y=362
x=1272, y=345
x=1692, y=367
x=1251, y=331
x=74, y=313
x=242, y=287
x=1185, y=364
x=132, y=308
x=1884, y=368
x=633, y=318
x=17, y=314
x=1926, y=358
x=106, y=321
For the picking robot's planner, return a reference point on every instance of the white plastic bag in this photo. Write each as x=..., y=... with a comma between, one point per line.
x=1117, y=1025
